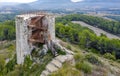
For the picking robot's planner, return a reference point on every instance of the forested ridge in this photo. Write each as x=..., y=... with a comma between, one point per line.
x=85, y=37
x=107, y=25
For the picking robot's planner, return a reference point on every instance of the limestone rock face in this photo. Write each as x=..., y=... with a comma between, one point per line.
x=56, y=64
x=43, y=51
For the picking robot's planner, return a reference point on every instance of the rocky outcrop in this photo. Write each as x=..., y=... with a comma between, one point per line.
x=56, y=64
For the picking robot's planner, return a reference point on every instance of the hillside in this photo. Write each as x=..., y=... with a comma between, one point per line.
x=93, y=55
x=87, y=64
x=89, y=59
x=85, y=37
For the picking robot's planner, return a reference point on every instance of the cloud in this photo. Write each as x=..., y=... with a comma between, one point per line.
x=27, y=1
x=76, y=0
x=20, y=1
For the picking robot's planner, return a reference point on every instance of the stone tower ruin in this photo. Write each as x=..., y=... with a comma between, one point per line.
x=32, y=29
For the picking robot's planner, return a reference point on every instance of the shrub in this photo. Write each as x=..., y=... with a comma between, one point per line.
x=64, y=39
x=118, y=60
x=109, y=56
x=13, y=73
x=7, y=31
x=69, y=47
x=61, y=52
x=93, y=59
x=11, y=64
x=11, y=47
x=95, y=51
x=27, y=62
x=78, y=57
x=84, y=66
x=2, y=65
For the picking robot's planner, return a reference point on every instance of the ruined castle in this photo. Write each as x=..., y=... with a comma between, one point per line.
x=31, y=30
x=34, y=30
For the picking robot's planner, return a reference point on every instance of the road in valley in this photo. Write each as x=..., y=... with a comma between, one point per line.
x=97, y=31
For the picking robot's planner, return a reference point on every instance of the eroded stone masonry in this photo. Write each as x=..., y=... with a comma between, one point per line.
x=33, y=30
x=35, y=36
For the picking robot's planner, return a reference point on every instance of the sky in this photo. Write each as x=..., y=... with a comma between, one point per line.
x=20, y=1
x=76, y=0
x=27, y=1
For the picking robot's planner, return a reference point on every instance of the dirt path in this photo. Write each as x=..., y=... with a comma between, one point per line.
x=97, y=30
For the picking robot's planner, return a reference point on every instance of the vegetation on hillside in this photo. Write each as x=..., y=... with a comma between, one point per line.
x=85, y=37
x=67, y=31
x=107, y=25
x=96, y=64
x=27, y=69
x=67, y=70
x=82, y=66
x=7, y=30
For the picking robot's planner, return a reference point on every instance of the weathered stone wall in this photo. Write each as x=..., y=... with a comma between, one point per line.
x=23, y=46
x=51, y=26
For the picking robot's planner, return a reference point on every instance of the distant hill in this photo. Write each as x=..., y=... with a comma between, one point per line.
x=42, y=4
x=103, y=1
x=60, y=4
x=46, y=4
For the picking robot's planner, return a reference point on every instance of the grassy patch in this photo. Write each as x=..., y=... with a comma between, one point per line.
x=61, y=52
x=93, y=59
x=118, y=60
x=7, y=50
x=102, y=71
x=67, y=70
x=109, y=56
x=79, y=57
x=27, y=69
x=69, y=47
x=84, y=66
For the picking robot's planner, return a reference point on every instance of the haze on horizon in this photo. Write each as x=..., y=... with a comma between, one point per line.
x=27, y=1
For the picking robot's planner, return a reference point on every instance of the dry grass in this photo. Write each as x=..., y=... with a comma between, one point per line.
x=67, y=70
x=99, y=71
x=72, y=47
